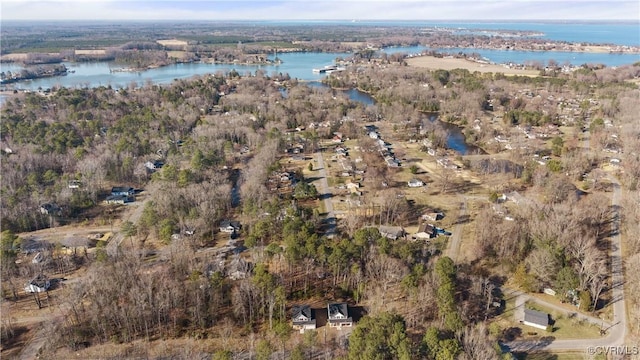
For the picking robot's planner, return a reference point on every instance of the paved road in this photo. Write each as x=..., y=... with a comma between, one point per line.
x=326, y=195
x=618, y=328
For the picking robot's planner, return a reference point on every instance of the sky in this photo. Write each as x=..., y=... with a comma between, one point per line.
x=320, y=10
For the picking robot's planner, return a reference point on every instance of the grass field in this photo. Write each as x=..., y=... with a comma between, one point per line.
x=431, y=62
x=568, y=328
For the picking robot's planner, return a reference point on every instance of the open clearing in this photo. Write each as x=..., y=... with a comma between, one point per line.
x=91, y=52
x=449, y=63
x=172, y=42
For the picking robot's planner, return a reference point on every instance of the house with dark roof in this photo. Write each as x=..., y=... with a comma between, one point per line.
x=122, y=190
x=50, y=209
x=338, y=315
x=230, y=226
x=302, y=318
x=537, y=319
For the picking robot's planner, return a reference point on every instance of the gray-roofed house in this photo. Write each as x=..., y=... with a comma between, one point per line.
x=338, y=315
x=230, y=226
x=122, y=190
x=302, y=318
x=391, y=232
x=537, y=319
x=50, y=209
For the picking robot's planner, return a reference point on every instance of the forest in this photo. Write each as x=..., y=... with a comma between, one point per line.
x=225, y=133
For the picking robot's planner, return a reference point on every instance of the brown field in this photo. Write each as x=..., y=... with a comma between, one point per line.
x=354, y=43
x=14, y=57
x=435, y=63
x=177, y=54
x=91, y=52
x=172, y=42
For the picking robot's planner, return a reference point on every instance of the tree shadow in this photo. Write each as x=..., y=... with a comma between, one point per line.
x=538, y=355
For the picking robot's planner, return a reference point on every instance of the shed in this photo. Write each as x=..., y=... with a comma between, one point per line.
x=536, y=319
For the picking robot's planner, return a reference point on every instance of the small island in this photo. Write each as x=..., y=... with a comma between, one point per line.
x=33, y=72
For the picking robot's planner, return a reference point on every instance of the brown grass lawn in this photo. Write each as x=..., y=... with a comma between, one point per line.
x=431, y=62
x=177, y=54
x=172, y=42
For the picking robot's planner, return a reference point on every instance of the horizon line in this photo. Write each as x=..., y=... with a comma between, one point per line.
x=328, y=20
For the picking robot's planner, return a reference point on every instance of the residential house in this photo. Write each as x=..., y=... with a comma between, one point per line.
x=370, y=128
x=338, y=315
x=391, y=232
x=432, y=216
x=391, y=161
x=74, y=184
x=238, y=268
x=122, y=190
x=50, y=209
x=415, y=183
x=230, y=226
x=119, y=199
x=302, y=318
x=425, y=232
x=352, y=185
x=38, y=284
x=536, y=319
x=153, y=165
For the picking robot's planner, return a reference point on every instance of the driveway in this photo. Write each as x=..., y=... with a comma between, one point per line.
x=326, y=195
x=617, y=329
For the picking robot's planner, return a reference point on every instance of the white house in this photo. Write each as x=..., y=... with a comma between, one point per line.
x=302, y=318
x=415, y=183
x=338, y=315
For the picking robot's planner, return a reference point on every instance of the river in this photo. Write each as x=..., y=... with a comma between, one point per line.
x=455, y=136
x=297, y=65
x=95, y=74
